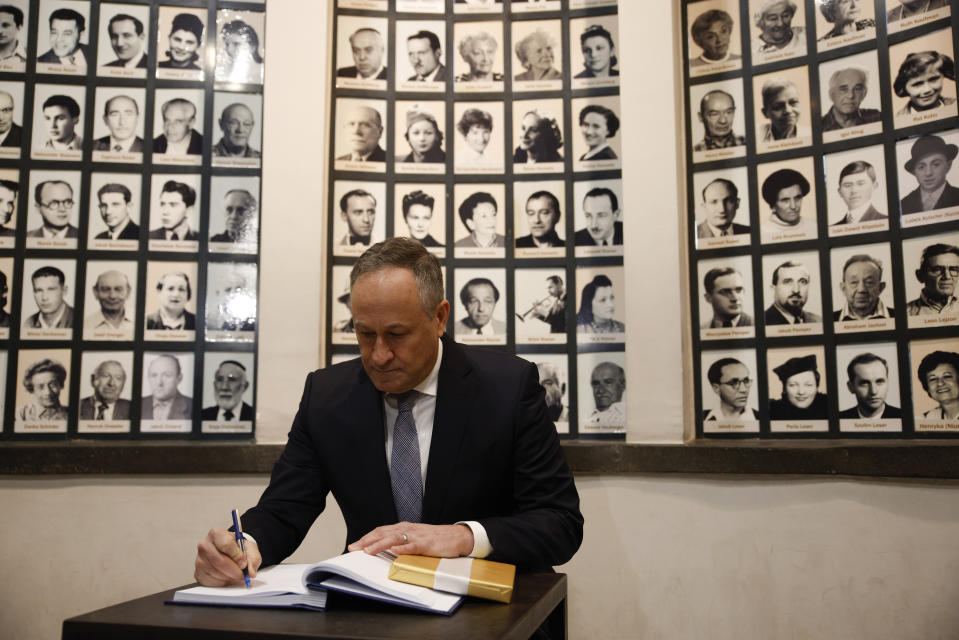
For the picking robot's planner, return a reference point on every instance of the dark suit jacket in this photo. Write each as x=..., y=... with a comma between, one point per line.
x=209, y=413
x=130, y=232
x=606, y=154
x=88, y=409
x=351, y=72
x=912, y=203
x=195, y=148
x=494, y=458
x=583, y=239
x=160, y=234
x=38, y=232
x=888, y=412
x=703, y=230
x=378, y=155
x=439, y=77
x=14, y=136
x=182, y=408
x=52, y=58
x=775, y=316
x=871, y=214
x=119, y=63
x=103, y=144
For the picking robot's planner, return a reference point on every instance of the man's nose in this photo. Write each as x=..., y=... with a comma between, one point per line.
x=381, y=352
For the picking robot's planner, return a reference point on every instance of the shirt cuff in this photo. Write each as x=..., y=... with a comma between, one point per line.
x=481, y=545
x=247, y=536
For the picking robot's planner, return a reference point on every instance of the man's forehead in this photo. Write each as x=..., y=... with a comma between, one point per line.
x=56, y=188
x=862, y=268
x=230, y=369
x=47, y=281
x=180, y=110
x=367, y=38
x=364, y=114
x=941, y=259
x=111, y=279
x=849, y=76
x=598, y=203
x=63, y=23
x=237, y=111
x=480, y=289
x=55, y=109
x=360, y=202
x=112, y=367
x=868, y=370
x=733, y=369
x=121, y=102
x=788, y=273
x=718, y=190
x=119, y=26
x=718, y=101
x=542, y=202
x=729, y=279
x=857, y=176
x=6, y=99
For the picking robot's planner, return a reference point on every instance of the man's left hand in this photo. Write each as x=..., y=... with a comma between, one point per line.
x=438, y=541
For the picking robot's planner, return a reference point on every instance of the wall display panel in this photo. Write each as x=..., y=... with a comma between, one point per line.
x=490, y=132
x=835, y=134
x=130, y=155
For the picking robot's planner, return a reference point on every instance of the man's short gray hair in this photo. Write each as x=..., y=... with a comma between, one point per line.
x=405, y=253
x=833, y=79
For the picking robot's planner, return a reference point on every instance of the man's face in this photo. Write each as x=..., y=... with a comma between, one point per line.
x=108, y=381
x=111, y=290
x=48, y=293
x=229, y=383
x=398, y=340
x=608, y=386
x=869, y=384
x=164, y=376
x=238, y=212
x=56, y=204
x=173, y=294
x=800, y=389
x=422, y=57
x=114, y=209
x=942, y=384
x=363, y=130
x=940, y=275
x=783, y=110
x=480, y=302
x=862, y=284
x=788, y=205
x=480, y=56
x=237, y=125
x=733, y=386
x=178, y=120
x=359, y=215
x=483, y=221
x=9, y=32
x=541, y=216
x=172, y=209
x=367, y=52
x=418, y=219
x=600, y=217
x=717, y=115
x=776, y=23
x=6, y=110
x=856, y=189
x=64, y=37
x=8, y=204
x=728, y=296
x=720, y=204
x=125, y=41
x=60, y=124
x=715, y=40
x=46, y=388
x=847, y=91
x=121, y=118
x=792, y=289
x=931, y=170
x=550, y=381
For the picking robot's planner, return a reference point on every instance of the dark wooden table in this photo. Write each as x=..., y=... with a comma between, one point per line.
x=538, y=598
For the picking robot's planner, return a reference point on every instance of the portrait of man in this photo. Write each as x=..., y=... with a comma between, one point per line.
x=869, y=382
x=479, y=297
x=66, y=29
x=108, y=380
x=4, y=290
x=8, y=206
x=45, y=380
x=127, y=38
x=418, y=214
x=229, y=385
x=712, y=32
x=938, y=273
x=717, y=110
x=478, y=50
x=114, y=205
x=232, y=304
x=478, y=212
x=363, y=128
x=549, y=309
x=782, y=105
x=774, y=19
x=784, y=190
x=179, y=135
x=914, y=8
x=13, y=52
x=603, y=219
x=368, y=50
x=725, y=290
x=54, y=202
x=426, y=57
x=790, y=291
x=50, y=295
x=847, y=89
x=608, y=383
x=345, y=323
x=121, y=115
x=720, y=204
x=861, y=285
x=236, y=122
x=165, y=401
x=930, y=164
x=730, y=381
x=176, y=205
x=542, y=216
x=938, y=374
x=857, y=183
x=239, y=216
x=111, y=290
x=553, y=379
x=11, y=134
x=358, y=211
x=61, y=115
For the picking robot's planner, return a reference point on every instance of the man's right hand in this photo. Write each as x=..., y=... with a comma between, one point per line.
x=220, y=562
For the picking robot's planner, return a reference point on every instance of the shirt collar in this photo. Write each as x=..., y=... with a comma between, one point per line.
x=855, y=215
x=880, y=312
x=132, y=63
x=123, y=144
x=429, y=383
x=56, y=321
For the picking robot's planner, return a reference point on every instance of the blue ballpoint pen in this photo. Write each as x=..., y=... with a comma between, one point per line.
x=239, y=540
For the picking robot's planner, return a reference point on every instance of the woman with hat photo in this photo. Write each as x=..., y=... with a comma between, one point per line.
x=424, y=137
x=801, y=398
x=930, y=164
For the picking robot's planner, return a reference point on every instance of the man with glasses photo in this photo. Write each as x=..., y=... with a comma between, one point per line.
x=938, y=272
x=731, y=383
x=54, y=201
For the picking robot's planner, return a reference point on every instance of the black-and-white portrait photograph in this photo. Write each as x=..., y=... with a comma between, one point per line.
x=231, y=301
x=408, y=6
x=905, y=14
x=928, y=178
x=601, y=393
x=228, y=396
x=844, y=22
x=166, y=402
x=931, y=273
x=9, y=199
x=726, y=298
x=598, y=219
x=856, y=191
x=43, y=391
x=46, y=303
x=238, y=129
x=359, y=220
x=597, y=146
x=537, y=55
x=14, y=35
x=360, y=138
x=599, y=319
x=178, y=126
x=538, y=136
x=478, y=145
x=862, y=288
x=717, y=120
x=934, y=365
x=480, y=221
x=113, y=219
x=538, y=222
x=126, y=27
x=58, y=122
x=421, y=55
x=788, y=208
x=478, y=6
x=63, y=37
x=419, y=141
x=106, y=389
x=110, y=300
x=3, y=381
x=553, y=372
x=53, y=213
x=170, y=301
x=778, y=30
x=721, y=208
x=782, y=110
x=478, y=63
x=540, y=303
x=6, y=293
x=480, y=307
x=923, y=78
x=180, y=43
x=530, y=6
x=240, y=46
x=11, y=116
x=729, y=391
x=118, y=125
x=867, y=376
x=341, y=314
x=792, y=294
x=592, y=51
x=850, y=97
x=234, y=214
x=420, y=213
x=361, y=52
x=175, y=212
x=714, y=37
x=797, y=389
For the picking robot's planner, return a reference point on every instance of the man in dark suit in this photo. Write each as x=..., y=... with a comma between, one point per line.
x=8, y=206
x=10, y=133
x=426, y=57
x=857, y=182
x=790, y=292
x=176, y=202
x=367, y=47
x=178, y=137
x=66, y=28
x=127, y=39
x=720, y=204
x=114, y=204
x=54, y=202
x=495, y=483
x=603, y=227
x=364, y=128
x=166, y=402
x=930, y=163
x=120, y=114
x=869, y=382
x=108, y=380
x=229, y=385
x=542, y=216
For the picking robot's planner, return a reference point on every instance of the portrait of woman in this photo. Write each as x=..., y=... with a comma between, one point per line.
x=920, y=79
x=173, y=292
x=418, y=215
x=801, y=399
x=598, y=124
x=475, y=126
x=939, y=376
x=845, y=16
x=540, y=139
x=535, y=53
x=424, y=137
x=597, y=305
x=45, y=380
x=239, y=60
x=599, y=53
x=186, y=36
x=782, y=107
